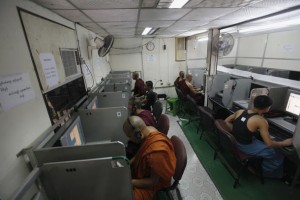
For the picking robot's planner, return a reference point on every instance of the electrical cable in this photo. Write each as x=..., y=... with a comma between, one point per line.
x=90, y=73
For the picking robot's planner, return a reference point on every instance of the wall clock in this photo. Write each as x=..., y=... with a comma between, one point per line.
x=150, y=46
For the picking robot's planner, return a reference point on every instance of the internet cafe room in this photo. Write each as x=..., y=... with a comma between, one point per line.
x=68, y=80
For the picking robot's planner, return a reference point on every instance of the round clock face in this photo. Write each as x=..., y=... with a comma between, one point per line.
x=150, y=46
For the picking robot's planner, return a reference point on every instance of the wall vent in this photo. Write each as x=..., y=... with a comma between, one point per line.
x=70, y=60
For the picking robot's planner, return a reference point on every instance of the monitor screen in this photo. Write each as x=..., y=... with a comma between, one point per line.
x=293, y=103
x=73, y=135
x=93, y=104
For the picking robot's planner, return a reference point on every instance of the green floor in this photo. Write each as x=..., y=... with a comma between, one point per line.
x=250, y=187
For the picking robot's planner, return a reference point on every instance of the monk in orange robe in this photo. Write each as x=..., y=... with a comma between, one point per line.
x=154, y=164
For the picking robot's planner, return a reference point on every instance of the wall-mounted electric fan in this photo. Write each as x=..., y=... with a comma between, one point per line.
x=223, y=45
x=103, y=46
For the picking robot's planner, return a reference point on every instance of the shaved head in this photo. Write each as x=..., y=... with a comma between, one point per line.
x=131, y=125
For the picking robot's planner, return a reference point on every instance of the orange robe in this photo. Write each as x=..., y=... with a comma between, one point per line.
x=156, y=153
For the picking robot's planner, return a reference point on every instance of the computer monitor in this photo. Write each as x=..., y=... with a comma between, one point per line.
x=73, y=136
x=292, y=105
x=254, y=86
x=93, y=104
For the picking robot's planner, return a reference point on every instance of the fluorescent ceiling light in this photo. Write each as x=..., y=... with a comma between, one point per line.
x=202, y=39
x=178, y=3
x=146, y=30
x=276, y=25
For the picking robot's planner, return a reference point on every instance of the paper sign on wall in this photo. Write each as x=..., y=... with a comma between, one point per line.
x=49, y=68
x=151, y=58
x=15, y=90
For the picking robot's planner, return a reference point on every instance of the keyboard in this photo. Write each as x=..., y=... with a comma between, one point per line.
x=280, y=122
x=277, y=136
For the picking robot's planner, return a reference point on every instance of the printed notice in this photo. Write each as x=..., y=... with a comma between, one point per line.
x=49, y=68
x=15, y=90
x=151, y=58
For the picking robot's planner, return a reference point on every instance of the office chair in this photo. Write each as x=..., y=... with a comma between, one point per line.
x=207, y=120
x=181, y=161
x=193, y=109
x=182, y=100
x=228, y=144
x=157, y=110
x=163, y=124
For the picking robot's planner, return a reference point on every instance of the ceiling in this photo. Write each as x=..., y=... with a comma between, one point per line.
x=128, y=18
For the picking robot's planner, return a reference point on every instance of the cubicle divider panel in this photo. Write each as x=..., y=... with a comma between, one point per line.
x=235, y=89
x=216, y=83
x=198, y=76
x=118, y=80
x=88, y=151
x=104, y=178
x=104, y=124
x=121, y=72
x=113, y=99
x=125, y=87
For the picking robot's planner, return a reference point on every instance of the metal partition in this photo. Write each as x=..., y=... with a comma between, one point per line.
x=114, y=87
x=198, y=76
x=113, y=99
x=235, y=89
x=104, y=178
x=88, y=151
x=216, y=83
x=103, y=124
x=118, y=80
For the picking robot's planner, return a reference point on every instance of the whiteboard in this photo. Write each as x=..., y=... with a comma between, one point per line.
x=45, y=36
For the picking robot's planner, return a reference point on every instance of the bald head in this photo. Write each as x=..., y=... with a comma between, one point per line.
x=133, y=125
x=135, y=75
x=189, y=77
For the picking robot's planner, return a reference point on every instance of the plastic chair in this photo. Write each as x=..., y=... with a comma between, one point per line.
x=172, y=102
x=228, y=143
x=157, y=110
x=163, y=124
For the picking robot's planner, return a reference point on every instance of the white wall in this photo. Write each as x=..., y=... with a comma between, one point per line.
x=99, y=67
x=22, y=124
x=155, y=65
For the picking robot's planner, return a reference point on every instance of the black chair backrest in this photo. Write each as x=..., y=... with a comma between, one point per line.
x=180, y=94
x=163, y=124
x=181, y=157
x=157, y=110
x=227, y=140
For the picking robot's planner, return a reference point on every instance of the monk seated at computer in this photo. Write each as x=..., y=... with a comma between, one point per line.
x=155, y=162
x=135, y=108
x=188, y=89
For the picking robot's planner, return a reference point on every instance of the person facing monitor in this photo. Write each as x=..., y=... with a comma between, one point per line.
x=155, y=162
x=245, y=124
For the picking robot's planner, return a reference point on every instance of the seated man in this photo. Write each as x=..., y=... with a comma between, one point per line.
x=139, y=86
x=179, y=79
x=154, y=164
x=188, y=89
x=134, y=108
x=245, y=124
x=150, y=97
